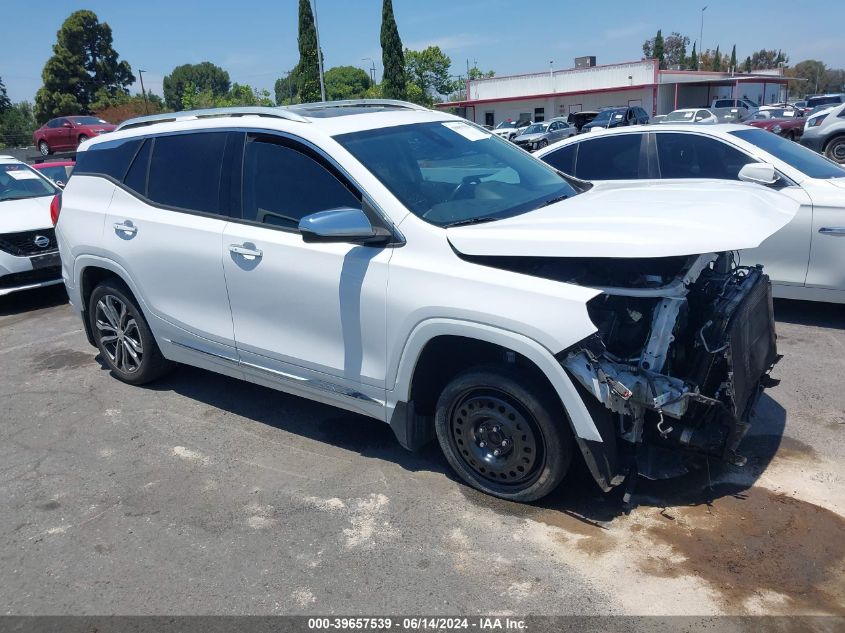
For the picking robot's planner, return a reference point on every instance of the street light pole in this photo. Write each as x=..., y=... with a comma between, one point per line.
x=143, y=92
x=372, y=68
x=701, y=34
x=319, y=54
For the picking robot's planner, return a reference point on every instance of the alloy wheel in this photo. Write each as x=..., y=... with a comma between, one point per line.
x=118, y=333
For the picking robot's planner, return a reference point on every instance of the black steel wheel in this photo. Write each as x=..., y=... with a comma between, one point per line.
x=122, y=335
x=502, y=434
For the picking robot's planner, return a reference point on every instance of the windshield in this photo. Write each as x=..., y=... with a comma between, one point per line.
x=19, y=181
x=607, y=114
x=537, y=128
x=88, y=120
x=452, y=172
x=804, y=160
x=680, y=115
x=506, y=124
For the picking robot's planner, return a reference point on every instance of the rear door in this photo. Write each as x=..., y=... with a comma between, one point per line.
x=165, y=228
x=785, y=254
x=308, y=318
x=612, y=157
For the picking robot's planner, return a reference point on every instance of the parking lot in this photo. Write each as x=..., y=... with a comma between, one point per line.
x=200, y=494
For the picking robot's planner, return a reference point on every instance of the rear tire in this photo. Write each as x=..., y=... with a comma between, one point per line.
x=123, y=336
x=835, y=150
x=502, y=434
x=82, y=139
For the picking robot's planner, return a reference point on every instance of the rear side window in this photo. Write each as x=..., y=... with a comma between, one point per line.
x=111, y=158
x=185, y=171
x=696, y=156
x=563, y=159
x=281, y=185
x=136, y=177
x=615, y=157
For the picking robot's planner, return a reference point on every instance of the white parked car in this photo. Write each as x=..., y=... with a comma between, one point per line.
x=805, y=260
x=29, y=257
x=410, y=266
x=689, y=115
x=509, y=130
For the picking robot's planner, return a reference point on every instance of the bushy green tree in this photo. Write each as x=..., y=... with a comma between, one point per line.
x=428, y=70
x=659, y=49
x=393, y=60
x=747, y=65
x=346, y=82
x=17, y=123
x=285, y=89
x=84, y=63
x=203, y=77
x=308, y=70
x=5, y=104
x=476, y=73
x=194, y=98
x=732, y=63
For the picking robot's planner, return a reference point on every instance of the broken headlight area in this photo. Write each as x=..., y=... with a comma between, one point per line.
x=680, y=358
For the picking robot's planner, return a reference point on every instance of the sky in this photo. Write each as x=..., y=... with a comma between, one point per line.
x=255, y=40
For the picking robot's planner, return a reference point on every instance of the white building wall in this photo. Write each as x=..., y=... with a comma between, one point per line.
x=571, y=80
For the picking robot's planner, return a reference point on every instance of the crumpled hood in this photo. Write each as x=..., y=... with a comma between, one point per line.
x=636, y=219
x=530, y=137
x=25, y=215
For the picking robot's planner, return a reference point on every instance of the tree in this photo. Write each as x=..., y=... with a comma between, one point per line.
x=716, y=63
x=285, y=88
x=204, y=76
x=393, y=80
x=308, y=70
x=238, y=95
x=747, y=66
x=814, y=78
x=132, y=107
x=428, y=69
x=84, y=62
x=659, y=49
x=693, y=60
x=672, y=50
x=346, y=82
x=732, y=64
x=5, y=104
x=475, y=73
x=767, y=59
x=17, y=123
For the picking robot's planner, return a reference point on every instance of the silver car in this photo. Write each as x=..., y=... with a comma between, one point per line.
x=540, y=135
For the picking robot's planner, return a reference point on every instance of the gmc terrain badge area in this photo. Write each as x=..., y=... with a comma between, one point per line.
x=411, y=266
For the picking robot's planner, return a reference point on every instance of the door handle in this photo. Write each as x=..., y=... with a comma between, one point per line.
x=833, y=230
x=244, y=251
x=126, y=227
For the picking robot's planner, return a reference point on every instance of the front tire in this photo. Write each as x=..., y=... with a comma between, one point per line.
x=502, y=434
x=543, y=143
x=44, y=148
x=123, y=336
x=835, y=150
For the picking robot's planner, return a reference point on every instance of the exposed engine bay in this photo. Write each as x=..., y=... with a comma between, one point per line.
x=683, y=350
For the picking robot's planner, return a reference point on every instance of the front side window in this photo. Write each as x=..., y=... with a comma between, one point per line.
x=451, y=172
x=19, y=181
x=697, y=156
x=185, y=171
x=282, y=185
x=615, y=157
x=801, y=158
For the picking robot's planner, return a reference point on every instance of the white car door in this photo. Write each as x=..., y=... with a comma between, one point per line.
x=308, y=318
x=784, y=255
x=165, y=229
x=827, y=253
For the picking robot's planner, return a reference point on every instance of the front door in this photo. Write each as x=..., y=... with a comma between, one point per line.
x=827, y=253
x=308, y=318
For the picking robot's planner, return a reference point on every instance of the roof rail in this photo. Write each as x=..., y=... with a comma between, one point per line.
x=359, y=103
x=192, y=115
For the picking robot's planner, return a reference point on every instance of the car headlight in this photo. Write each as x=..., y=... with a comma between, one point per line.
x=816, y=121
x=776, y=129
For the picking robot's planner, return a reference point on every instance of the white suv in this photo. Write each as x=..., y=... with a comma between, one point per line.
x=29, y=257
x=413, y=267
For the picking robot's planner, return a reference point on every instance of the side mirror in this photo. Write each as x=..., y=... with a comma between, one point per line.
x=341, y=225
x=759, y=173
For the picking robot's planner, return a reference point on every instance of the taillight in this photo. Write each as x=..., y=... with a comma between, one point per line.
x=55, y=208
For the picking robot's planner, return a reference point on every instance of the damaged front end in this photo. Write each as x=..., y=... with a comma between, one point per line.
x=682, y=353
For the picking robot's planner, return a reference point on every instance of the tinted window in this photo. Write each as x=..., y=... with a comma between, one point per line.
x=614, y=157
x=803, y=159
x=282, y=185
x=563, y=159
x=185, y=171
x=110, y=158
x=136, y=177
x=696, y=156
x=724, y=103
x=813, y=102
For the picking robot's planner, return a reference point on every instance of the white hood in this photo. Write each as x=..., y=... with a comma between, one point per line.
x=28, y=214
x=636, y=219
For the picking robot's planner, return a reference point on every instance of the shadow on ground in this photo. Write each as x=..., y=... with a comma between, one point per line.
x=20, y=303
x=828, y=315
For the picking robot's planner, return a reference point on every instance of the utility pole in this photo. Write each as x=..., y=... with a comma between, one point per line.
x=372, y=68
x=319, y=53
x=701, y=35
x=143, y=92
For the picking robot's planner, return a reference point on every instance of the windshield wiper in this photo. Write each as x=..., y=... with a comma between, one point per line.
x=478, y=220
x=553, y=200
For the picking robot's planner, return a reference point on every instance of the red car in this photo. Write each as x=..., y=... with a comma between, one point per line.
x=58, y=170
x=774, y=121
x=67, y=132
